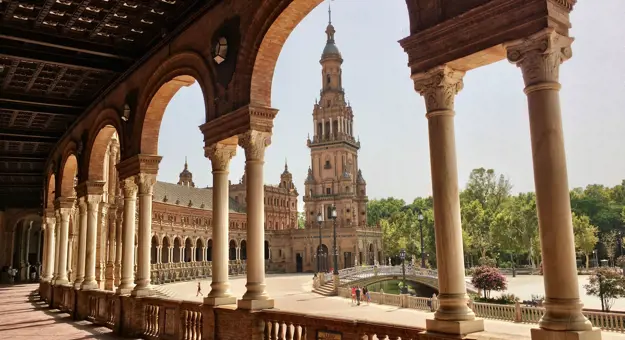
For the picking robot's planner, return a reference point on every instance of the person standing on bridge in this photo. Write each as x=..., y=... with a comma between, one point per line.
x=358, y=292
x=199, y=289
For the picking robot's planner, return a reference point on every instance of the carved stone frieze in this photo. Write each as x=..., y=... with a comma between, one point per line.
x=145, y=183
x=220, y=155
x=254, y=143
x=239, y=121
x=439, y=87
x=146, y=164
x=129, y=187
x=90, y=188
x=540, y=55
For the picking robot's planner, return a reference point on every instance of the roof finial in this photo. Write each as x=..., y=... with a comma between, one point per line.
x=286, y=166
x=330, y=12
x=186, y=166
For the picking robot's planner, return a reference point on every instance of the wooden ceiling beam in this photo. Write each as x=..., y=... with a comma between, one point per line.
x=22, y=174
x=23, y=159
x=40, y=109
x=44, y=137
x=72, y=62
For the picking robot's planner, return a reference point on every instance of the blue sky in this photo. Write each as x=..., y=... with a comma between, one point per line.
x=492, y=128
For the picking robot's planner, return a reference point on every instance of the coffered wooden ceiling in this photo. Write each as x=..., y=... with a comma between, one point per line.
x=56, y=58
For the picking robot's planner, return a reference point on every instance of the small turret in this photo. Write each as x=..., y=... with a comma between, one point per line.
x=186, y=177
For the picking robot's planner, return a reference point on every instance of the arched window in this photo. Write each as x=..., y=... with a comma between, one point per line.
x=328, y=79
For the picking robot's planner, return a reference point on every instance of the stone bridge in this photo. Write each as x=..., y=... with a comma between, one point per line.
x=364, y=276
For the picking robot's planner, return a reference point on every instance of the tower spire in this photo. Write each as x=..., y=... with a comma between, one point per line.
x=186, y=165
x=330, y=12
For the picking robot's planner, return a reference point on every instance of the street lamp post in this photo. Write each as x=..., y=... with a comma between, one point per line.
x=319, y=220
x=336, y=251
x=420, y=217
x=402, y=256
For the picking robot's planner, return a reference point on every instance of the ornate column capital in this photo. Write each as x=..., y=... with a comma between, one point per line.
x=145, y=183
x=220, y=155
x=539, y=56
x=254, y=143
x=439, y=87
x=129, y=187
x=89, y=188
x=93, y=201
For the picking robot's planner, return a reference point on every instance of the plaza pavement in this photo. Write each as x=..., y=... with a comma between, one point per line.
x=23, y=316
x=292, y=292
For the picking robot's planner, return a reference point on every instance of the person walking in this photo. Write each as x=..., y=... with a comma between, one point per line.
x=366, y=295
x=199, y=289
x=353, y=295
x=358, y=292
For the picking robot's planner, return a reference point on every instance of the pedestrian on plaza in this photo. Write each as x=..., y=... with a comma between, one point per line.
x=353, y=294
x=358, y=292
x=199, y=289
x=365, y=292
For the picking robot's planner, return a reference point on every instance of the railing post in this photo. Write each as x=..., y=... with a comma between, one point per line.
x=518, y=317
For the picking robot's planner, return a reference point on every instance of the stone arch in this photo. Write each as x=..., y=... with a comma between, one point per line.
x=69, y=171
x=99, y=139
x=181, y=69
x=50, y=191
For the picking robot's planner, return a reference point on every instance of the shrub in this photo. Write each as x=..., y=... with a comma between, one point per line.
x=620, y=261
x=487, y=261
x=608, y=284
x=488, y=279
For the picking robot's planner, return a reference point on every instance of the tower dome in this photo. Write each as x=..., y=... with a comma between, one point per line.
x=186, y=177
x=331, y=50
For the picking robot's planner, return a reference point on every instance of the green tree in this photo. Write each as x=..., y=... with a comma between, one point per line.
x=608, y=284
x=301, y=220
x=610, y=241
x=585, y=236
x=383, y=209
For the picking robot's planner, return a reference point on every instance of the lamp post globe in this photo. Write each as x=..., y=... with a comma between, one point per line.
x=335, y=270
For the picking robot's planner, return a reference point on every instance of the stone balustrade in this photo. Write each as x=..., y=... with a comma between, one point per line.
x=186, y=271
x=609, y=321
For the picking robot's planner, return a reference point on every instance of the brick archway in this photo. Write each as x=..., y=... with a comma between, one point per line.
x=100, y=134
x=50, y=191
x=96, y=153
x=180, y=70
x=69, y=170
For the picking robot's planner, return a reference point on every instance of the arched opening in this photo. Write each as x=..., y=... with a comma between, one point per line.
x=50, y=192
x=188, y=250
x=199, y=250
x=177, y=249
x=154, y=250
x=243, y=250
x=209, y=250
x=232, y=250
x=68, y=177
x=28, y=248
x=371, y=255
x=267, y=253
x=165, y=250
x=323, y=258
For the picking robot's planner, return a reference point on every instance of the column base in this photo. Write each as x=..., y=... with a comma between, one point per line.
x=77, y=284
x=459, y=328
x=125, y=289
x=220, y=301
x=142, y=291
x=89, y=285
x=544, y=334
x=255, y=304
x=61, y=282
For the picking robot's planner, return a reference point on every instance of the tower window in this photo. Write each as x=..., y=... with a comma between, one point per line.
x=328, y=79
x=327, y=165
x=328, y=191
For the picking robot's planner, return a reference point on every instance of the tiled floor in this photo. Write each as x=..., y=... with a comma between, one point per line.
x=22, y=317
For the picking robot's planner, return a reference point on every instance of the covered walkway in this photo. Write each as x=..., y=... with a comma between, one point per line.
x=23, y=316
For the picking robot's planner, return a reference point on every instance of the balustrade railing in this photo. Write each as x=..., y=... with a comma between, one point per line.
x=185, y=271
x=280, y=325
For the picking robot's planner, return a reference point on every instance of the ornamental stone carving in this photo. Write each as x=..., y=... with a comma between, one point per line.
x=220, y=155
x=439, y=87
x=540, y=55
x=145, y=183
x=254, y=143
x=129, y=187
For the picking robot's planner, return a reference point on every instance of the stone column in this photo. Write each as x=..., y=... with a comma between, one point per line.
x=220, y=155
x=128, y=234
x=70, y=256
x=254, y=144
x=44, y=259
x=93, y=204
x=82, y=242
x=439, y=87
x=145, y=183
x=64, y=208
x=100, y=250
x=51, y=249
x=109, y=274
x=57, y=243
x=118, y=245
x=539, y=57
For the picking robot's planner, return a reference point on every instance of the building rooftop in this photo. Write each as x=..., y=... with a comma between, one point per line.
x=200, y=198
